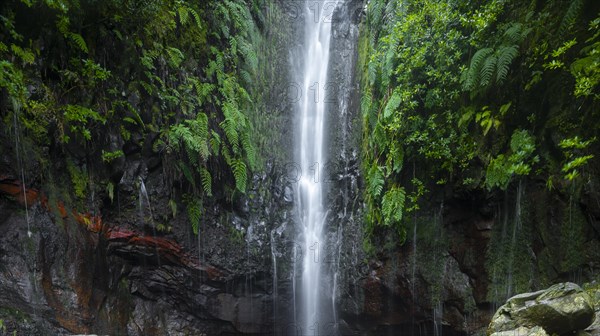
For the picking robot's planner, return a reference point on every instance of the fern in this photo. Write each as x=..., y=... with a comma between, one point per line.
x=570, y=17
x=238, y=167
x=194, y=210
x=487, y=71
x=215, y=142
x=196, y=17
x=206, y=181
x=505, y=57
x=472, y=77
x=228, y=126
x=187, y=173
x=392, y=206
x=365, y=102
x=375, y=180
x=392, y=104
x=175, y=57
x=183, y=14
x=79, y=41
x=249, y=150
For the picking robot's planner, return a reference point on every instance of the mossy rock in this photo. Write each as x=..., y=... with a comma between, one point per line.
x=560, y=309
x=522, y=331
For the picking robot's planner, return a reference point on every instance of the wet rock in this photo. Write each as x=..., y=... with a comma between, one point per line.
x=560, y=309
x=522, y=331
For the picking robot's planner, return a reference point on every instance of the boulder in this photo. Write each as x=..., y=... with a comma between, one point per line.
x=522, y=331
x=562, y=308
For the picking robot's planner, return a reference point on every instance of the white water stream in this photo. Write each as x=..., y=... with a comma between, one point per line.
x=312, y=108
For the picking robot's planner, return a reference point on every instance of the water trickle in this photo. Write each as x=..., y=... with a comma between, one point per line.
x=312, y=215
x=516, y=227
x=143, y=197
x=17, y=108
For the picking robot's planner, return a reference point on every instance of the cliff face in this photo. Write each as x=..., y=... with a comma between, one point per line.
x=118, y=275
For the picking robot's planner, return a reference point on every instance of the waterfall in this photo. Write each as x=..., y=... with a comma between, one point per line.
x=311, y=107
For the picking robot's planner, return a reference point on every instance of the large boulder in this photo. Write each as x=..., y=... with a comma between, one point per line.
x=560, y=309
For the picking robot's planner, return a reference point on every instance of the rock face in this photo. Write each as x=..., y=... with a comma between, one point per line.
x=561, y=309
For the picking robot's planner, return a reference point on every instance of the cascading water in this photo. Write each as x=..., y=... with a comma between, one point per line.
x=312, y=214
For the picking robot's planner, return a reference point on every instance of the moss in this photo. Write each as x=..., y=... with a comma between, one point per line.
x=573, y=238
x=79, y=179
x=509, y=258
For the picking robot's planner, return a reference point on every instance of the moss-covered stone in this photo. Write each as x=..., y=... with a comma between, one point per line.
x=560, y=309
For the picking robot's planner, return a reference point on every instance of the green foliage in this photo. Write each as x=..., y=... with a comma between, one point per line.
x=502, y=168
x=573, y=238
x=111, y=156
x=173, y=206
x=238, y=167
x=509, y=258
x=491, y=65
x=473, y=96
x=80, y=119
x=110, y=190
x=392, y=206
x=586, y=70
x=575, y=160
x=194, y=212
x=79, y=179
x=193, y=72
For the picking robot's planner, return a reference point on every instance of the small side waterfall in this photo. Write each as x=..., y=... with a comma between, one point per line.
x=312, y=214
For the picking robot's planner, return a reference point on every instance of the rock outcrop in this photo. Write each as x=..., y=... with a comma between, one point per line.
x=562, y=309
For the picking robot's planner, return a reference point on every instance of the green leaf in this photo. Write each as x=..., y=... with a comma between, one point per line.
x=238, y=167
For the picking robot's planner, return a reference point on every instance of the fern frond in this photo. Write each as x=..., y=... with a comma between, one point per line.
x=183, y=15
x=392, y=104
x=196, y=17
x=365, y=102
x=506, y=55
x=194, y=210
x=487, y=71
x=392, y=206
x=238, y=167
x=375, y=180
x=187, y=173
x=215, y=142
x=472, y=76
x=228, y=126
x=250, y=150
x=175, y=57
x=570, y=17
x=206, y=181
x=79, y=41
x=512, y=35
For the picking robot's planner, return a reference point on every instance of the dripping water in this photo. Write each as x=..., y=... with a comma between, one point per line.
x=515, y=229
